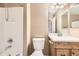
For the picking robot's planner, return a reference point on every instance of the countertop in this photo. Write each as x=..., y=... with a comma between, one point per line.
x=63, y=38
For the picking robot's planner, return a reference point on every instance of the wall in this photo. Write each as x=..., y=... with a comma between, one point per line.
x=39, y=19
x=39, y=22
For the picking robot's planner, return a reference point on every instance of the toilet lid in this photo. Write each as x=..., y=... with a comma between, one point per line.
x=37, y=53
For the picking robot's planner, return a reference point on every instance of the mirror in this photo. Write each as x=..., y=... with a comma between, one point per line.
x=65, y=23
x=64, y=20
x=74, y=17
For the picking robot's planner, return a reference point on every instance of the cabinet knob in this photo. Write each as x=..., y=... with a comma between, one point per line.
x=73, y=53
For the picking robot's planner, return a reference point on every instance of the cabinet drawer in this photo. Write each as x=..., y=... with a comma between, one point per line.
x=75, y=45
x=62, y=52
x=62, y=45
x=75, y=52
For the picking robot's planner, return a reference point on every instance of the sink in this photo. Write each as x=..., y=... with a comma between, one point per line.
x=63, y=38
x=59, y=34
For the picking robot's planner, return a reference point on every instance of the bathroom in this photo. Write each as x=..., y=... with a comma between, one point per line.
x=51, y=28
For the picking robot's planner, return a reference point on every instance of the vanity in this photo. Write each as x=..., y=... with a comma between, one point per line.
x=63, y=45
x=67, y=43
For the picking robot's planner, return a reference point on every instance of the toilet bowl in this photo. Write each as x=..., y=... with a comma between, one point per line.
x=38, y=44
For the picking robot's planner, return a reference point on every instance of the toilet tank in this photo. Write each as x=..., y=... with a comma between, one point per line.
x=38, y=43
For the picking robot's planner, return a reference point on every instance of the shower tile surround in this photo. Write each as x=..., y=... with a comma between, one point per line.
x=11, y=31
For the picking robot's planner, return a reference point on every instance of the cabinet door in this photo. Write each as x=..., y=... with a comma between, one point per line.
x=62, y=52
x=51, y=48
x=75, y=52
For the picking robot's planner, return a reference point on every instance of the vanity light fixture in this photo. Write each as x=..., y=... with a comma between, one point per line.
x=57, y=5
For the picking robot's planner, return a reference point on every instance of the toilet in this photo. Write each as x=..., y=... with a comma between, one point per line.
x=38, y=44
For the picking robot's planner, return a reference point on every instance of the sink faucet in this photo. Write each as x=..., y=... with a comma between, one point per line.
x=59, y=34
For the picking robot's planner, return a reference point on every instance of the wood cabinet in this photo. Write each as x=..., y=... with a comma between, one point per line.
x=75, y=52
x=62, y=52
x=64, y=49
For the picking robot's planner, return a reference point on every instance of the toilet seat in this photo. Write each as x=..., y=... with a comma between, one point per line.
x=37, y=53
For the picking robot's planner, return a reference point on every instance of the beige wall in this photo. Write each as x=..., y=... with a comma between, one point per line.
x=39, y=19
